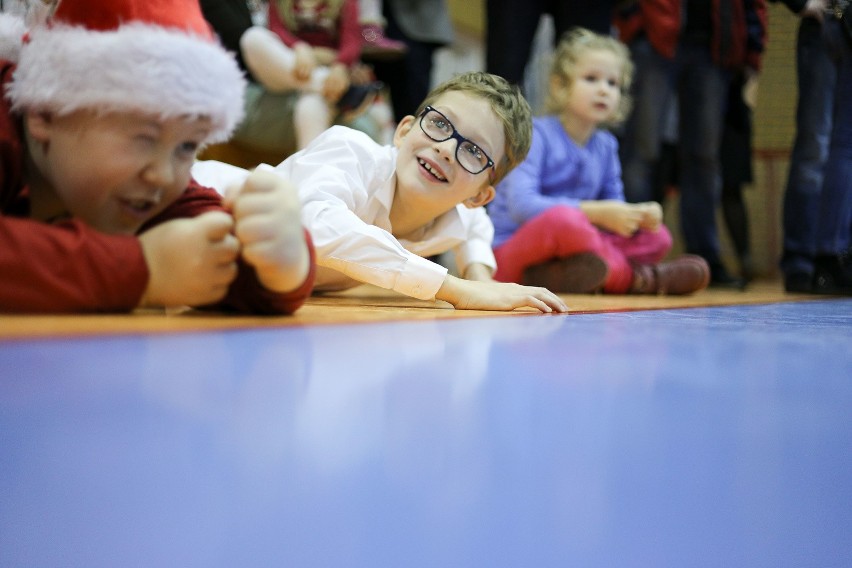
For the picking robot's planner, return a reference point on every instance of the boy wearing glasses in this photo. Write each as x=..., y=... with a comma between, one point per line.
x=375, y=212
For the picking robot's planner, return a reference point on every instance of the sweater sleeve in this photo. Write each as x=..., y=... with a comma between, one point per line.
x=246, y=294
x=349, y=46
x=68, y=267
x=524, y=186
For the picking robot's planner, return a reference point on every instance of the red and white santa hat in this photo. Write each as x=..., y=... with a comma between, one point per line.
x=154, y=56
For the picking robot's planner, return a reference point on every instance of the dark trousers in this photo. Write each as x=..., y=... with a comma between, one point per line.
x=408, y=78
x=511, y=27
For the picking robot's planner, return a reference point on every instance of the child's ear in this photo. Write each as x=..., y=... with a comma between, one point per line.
x=402, y=129
x=483, y=197
x=39, y=124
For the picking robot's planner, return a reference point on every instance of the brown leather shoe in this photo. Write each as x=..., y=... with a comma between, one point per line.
x=582, y=273
x=683, y=275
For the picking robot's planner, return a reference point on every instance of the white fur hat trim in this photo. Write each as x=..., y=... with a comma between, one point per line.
x=150, y=69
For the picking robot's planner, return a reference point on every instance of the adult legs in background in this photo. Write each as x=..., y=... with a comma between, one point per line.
x=643, y=131
x=833, y=266
x=735, y=154
x=595, y=15
x=817, y=77
x=511, y=26
x=703, y=90
x=409, y=78
x=736, y=220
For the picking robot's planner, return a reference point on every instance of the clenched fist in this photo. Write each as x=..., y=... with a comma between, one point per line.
x=266, y=211
x=191, y=262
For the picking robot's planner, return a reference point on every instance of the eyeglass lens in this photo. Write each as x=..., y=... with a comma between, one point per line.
x=439, y=128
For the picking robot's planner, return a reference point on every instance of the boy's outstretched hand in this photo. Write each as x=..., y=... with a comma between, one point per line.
x=492, y=295
x=191, y=262
x=266, y=210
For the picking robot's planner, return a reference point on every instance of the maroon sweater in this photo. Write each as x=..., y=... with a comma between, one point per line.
x=71, y=267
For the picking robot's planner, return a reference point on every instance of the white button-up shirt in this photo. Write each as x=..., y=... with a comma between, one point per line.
x=346, y=182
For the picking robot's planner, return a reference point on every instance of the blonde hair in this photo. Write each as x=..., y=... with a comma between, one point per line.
x=508, y=104
x=572, y=46
x=288, y=16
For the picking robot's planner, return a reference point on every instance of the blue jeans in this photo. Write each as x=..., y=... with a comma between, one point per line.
x=702, y=90
x=833, y=232
x=817, y=77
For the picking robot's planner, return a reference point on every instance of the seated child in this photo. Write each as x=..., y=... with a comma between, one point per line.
x=376, y=211
x=98, y=210
x=560, y=217
x=313, y=47
x=285, y=111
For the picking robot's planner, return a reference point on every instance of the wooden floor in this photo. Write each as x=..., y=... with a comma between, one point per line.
x=362, y=305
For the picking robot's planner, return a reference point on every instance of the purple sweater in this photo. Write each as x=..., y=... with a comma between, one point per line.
x=556, y=172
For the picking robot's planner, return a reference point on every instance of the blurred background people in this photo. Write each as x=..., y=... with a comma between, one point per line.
x=687, y=49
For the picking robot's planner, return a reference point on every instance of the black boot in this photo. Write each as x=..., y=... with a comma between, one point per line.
x=833, y=275
x=721, y=278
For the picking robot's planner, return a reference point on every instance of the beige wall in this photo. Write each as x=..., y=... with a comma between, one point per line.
x=468, y=15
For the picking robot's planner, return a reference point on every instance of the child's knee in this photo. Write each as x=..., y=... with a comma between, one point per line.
x=662, y=238
x=566, y=219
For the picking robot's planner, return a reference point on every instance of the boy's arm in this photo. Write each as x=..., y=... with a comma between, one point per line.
x=345, y=184
x=475, y=257
x=478, y=272
x=247, y=292
x=367, y=253
x=68, y=267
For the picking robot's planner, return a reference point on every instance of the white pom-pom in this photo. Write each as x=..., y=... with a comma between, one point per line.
x=12, y=30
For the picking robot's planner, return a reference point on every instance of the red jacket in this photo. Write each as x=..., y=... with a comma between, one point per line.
x=739, y=29
x=70, y=267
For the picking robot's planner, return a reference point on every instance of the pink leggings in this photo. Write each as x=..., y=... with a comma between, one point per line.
x=563, y=231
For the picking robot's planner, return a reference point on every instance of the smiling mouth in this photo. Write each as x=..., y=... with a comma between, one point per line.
x=140, y=206
x=435, y=173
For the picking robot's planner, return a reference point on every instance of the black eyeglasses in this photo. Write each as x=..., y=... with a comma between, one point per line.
x=439, y=128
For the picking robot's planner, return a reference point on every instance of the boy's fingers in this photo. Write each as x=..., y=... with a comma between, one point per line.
x=232, y=191
x=216, y=225
x=227, y=249
x=552, y=300
x=262, y=181
x=539, y=305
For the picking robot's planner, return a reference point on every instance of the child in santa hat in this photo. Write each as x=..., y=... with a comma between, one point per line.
x=103, y=114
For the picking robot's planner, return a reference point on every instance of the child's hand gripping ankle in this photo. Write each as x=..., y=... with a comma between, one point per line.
x=266, y=210
x=191, y=262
